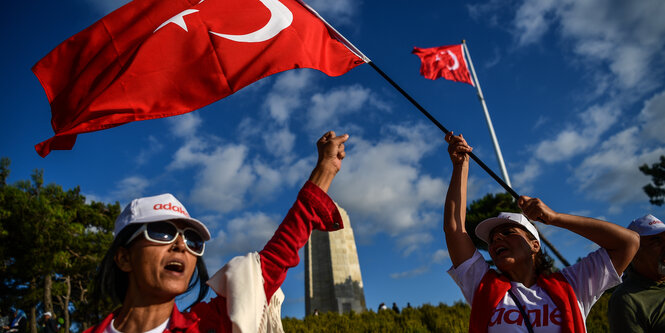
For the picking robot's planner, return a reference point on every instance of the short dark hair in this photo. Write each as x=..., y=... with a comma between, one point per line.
x=111, y=282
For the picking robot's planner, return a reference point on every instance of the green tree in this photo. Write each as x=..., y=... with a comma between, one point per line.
x=51, y=241
x=655, y=190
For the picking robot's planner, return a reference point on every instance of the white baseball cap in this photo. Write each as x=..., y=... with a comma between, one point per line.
x=47, y=314
x=484, y=228
x=157, y=208
x=647, y=225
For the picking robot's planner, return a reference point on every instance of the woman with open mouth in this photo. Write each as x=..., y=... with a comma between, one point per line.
x=157, y=254
x=524, y=295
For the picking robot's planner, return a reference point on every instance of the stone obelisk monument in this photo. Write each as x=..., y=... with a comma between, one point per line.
x=332, y=271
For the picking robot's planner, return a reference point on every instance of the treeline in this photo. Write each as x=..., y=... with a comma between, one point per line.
x=426, y=318
x=51, y=242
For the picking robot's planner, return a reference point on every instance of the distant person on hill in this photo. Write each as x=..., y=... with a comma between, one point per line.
x=638, y=304
x=395, y=307
x=156, y=256
x=382, y=306
x=552, y=302
x=50, y=325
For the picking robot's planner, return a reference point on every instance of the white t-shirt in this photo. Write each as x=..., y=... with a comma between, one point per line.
x=589, y=278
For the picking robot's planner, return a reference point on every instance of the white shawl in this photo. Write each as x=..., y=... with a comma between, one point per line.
x=240, y=281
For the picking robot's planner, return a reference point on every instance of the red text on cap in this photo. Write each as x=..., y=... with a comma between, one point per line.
x=169, y=206
x=655, y=222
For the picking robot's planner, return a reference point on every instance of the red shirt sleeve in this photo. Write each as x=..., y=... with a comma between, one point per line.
x=313, y=209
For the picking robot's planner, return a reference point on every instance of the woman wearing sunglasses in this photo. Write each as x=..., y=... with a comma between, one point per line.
x=157, y=253
x=525, y=286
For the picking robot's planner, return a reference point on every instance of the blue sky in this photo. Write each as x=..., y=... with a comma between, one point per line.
x=575, y=90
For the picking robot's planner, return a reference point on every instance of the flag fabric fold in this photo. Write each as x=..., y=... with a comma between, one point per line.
x=447, y=62
x=159, y=58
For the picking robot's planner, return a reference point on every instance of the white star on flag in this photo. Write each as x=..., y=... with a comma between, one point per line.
x=178, y=19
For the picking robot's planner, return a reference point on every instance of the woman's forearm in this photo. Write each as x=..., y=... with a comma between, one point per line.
x=455, y=205
x=620, y=243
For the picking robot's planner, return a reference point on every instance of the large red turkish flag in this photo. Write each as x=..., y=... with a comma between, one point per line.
x=158, y=58
x=444, y=61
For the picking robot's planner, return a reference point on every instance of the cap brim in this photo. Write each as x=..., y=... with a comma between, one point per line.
x=484, y=228
x=194, y=223
x=652, y=232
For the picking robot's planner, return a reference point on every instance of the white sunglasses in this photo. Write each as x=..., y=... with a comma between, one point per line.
x=165, y=232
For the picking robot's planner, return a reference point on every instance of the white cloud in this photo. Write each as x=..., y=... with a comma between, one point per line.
x=653, y=118
x=129, y=188
x=621, y=46
x=382, y=185
x=575, y=140
x=612, y=173
x=414, y=272
x=271, y=179
x=413, y=241
x=231, y=177
x=440, y=256
x=608, y=169
x=486, y=12
x=224, y=177
x=565, y=145
x=185, y=125
x=285, y=95
x=532, y=20
x=280, y=143
x=224, y=180
x=524, y=178
x=326, y=108
x=249, y=232
x=626, y=36
x=153, y=147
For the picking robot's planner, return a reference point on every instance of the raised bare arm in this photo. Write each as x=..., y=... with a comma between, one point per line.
x=620, y=243
x=460, y=246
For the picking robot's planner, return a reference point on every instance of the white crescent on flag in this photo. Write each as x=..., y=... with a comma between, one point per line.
x=452, y=55
x=456, y=65
x=280, y=18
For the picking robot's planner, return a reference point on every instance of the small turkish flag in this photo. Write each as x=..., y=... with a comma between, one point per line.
x=159, y=58
x=444, y=61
